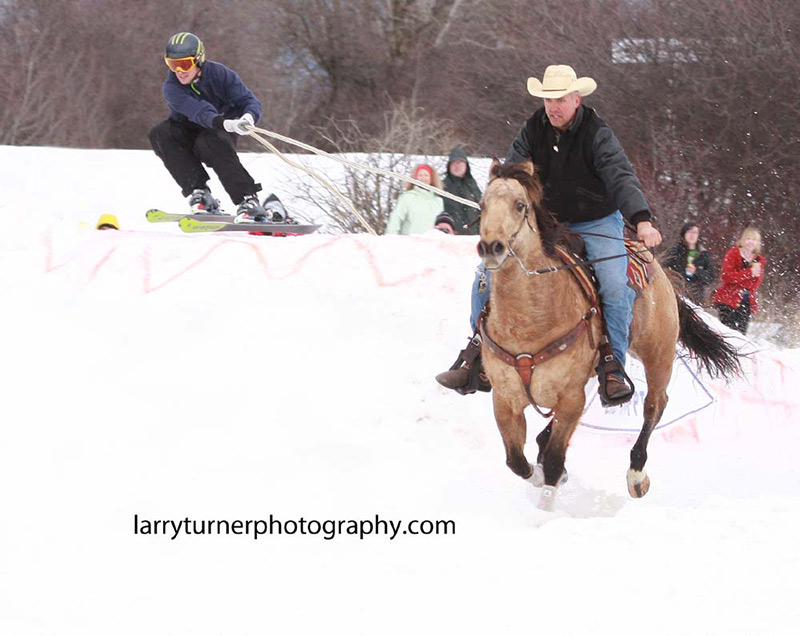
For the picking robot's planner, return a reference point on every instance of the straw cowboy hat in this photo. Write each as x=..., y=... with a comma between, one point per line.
x=560, y=80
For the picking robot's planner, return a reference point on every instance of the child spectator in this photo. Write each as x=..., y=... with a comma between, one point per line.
x=444, y=223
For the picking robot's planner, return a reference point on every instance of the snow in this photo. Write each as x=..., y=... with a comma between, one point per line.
x=150, y=375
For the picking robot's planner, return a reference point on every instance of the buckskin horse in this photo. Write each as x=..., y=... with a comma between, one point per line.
x=542, y=330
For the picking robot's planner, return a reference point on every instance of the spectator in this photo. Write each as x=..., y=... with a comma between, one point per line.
x=107, y=222
x=742, y=272
x=460, y=182
x=444, y=223
x=416, y=208
x=689, y=258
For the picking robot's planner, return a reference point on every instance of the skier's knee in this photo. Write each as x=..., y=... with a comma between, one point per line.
x=159, y=135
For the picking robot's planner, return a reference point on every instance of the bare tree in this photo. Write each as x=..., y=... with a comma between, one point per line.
x=42, y=75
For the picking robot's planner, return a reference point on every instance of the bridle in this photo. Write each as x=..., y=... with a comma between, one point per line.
x=526, y=220
x=510, y=242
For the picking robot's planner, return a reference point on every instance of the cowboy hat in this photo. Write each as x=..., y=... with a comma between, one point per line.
x=559, y=80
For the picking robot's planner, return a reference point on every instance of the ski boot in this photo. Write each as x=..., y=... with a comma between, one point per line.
x=274, y=210
x=201, y=202
x=250, y=211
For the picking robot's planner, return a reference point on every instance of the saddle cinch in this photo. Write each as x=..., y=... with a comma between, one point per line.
x=573, y=255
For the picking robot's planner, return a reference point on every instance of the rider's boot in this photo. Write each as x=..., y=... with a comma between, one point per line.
x=466, y=374
x=615, y=387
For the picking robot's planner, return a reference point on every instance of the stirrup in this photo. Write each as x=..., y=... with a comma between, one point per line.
x=477, y=381
x=470, y=358
x=609, y=364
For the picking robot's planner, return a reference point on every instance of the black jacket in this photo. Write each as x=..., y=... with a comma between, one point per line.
x=466, y=188
x=584, y=170
x=676, y=259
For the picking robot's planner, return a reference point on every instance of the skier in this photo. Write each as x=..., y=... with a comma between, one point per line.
x=209, y=106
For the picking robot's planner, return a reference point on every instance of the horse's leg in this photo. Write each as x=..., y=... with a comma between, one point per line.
x=567, y=413
x=654, y=405
x=542, y=438
x=513, y=430
x=537, y=479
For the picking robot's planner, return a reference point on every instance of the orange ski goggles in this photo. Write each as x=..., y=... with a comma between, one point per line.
x=182, y=64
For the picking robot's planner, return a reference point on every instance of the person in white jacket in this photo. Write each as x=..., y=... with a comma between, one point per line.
x=417, y=208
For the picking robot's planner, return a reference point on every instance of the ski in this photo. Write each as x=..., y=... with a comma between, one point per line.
x=192, y=225
x=158, y=216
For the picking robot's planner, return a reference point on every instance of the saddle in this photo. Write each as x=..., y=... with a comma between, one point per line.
x=574, y=254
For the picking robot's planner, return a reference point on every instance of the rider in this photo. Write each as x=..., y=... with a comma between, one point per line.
x=589, y=184
x=208, y=102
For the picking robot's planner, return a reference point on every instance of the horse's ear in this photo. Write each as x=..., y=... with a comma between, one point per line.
x=527, y=166
x=495, y=164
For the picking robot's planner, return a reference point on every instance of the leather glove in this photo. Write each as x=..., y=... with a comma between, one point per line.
x=239, y=126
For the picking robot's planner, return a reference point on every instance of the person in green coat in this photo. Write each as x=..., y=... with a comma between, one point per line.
x=416, y=208
x=460, y=182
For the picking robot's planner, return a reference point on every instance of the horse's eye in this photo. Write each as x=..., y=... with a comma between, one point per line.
x=520, y=206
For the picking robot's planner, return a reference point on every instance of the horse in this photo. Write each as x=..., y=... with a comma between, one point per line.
x=536, y=305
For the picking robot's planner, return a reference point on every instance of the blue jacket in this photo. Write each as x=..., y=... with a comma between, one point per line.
x=218, y=93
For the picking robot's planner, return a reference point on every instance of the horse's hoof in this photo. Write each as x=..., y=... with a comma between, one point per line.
x=638, y=483
x=547, y=499
x=537, y=477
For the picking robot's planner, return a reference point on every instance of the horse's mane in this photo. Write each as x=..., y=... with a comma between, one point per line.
x=550, y=229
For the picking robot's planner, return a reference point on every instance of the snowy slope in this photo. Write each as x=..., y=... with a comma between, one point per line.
x=149, y=375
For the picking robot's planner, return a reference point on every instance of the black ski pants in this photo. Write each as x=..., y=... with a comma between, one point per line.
x=184, y=148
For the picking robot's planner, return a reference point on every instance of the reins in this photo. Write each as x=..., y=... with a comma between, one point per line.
x=577, y=263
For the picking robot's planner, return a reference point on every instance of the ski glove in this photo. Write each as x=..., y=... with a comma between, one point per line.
x=239, y=126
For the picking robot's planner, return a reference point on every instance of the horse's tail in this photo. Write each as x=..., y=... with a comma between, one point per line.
x=716, y=355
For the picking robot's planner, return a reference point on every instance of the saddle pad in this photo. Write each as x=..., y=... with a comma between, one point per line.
x=638, y=269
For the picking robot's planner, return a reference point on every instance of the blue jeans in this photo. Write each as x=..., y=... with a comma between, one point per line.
x=616, y=297
x=480, y=294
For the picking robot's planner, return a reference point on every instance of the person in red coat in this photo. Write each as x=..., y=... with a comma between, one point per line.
x=742, y=272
